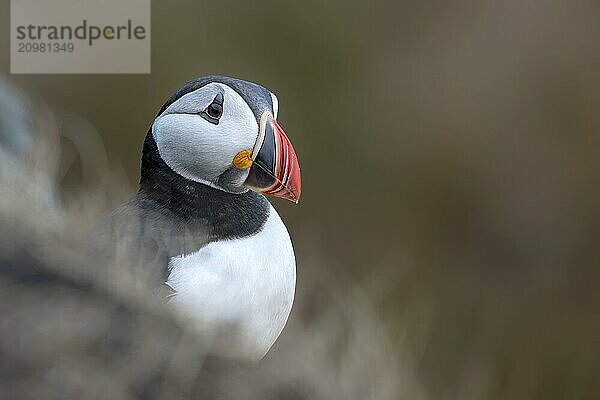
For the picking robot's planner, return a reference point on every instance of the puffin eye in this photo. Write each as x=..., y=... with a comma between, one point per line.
x=214, y=111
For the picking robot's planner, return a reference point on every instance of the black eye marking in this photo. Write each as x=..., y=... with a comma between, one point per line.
x=214, y=111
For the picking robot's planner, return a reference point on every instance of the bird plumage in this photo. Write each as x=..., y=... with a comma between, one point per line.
x=220, y=248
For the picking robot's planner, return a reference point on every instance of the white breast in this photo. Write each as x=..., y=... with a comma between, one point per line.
x=238, y=292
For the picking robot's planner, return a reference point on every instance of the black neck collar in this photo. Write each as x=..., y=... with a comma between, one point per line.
x=223, y=215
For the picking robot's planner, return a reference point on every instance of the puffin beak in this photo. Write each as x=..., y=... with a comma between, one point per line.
x=275, y=170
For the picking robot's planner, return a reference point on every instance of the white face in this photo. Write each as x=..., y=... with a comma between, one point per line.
x=200, y=149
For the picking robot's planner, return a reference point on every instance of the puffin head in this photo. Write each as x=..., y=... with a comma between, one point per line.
x=223, y=132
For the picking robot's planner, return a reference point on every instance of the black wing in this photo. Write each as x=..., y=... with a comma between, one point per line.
x=143, y=235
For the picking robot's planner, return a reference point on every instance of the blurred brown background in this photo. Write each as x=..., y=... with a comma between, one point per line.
x=450, y=154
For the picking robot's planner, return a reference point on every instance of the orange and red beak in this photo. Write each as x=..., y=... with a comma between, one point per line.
x=275, y=170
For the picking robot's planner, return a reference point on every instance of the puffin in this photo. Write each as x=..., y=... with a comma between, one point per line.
x=201, y=224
